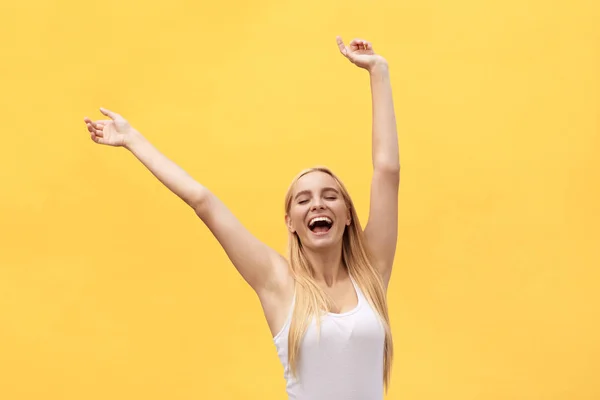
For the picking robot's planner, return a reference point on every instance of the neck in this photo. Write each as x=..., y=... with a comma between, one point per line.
x=327, y=264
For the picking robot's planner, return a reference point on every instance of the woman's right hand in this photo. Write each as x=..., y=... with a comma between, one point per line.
x=115, y=131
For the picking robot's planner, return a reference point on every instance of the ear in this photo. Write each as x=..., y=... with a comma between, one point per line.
x=288, y=222
x=349, y=218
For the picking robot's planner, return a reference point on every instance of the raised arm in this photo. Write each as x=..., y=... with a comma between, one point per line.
x=381, y=231
x=258, y=264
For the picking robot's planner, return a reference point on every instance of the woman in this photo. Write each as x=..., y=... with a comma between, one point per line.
x=326, y=303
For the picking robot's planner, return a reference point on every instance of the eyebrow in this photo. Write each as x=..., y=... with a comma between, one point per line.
x=326, y=189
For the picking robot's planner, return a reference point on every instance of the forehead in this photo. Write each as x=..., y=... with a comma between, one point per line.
x=315, y=181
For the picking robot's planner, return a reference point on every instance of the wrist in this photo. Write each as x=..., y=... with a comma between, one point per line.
x=132, y=140
x=379, y=66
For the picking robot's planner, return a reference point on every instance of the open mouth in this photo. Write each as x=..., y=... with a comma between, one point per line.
x=320, y=225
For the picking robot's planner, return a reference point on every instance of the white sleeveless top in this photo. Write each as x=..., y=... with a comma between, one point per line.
x=345, y=363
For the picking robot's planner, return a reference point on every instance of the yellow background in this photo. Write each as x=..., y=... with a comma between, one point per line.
x=111, y=288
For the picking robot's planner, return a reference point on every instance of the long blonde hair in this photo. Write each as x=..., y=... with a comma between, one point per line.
x=311, y=301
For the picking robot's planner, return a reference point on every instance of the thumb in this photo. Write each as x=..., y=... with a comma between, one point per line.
x=341, y=46
x=112, y=115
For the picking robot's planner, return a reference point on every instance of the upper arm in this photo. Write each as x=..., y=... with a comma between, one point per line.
x=259, y=265
x=381, y=231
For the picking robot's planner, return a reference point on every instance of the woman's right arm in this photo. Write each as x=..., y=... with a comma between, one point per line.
x=259, y=265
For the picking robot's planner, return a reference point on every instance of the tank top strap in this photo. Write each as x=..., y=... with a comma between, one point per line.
x=359, y=292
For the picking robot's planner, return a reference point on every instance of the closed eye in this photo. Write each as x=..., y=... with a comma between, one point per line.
x=303, y=202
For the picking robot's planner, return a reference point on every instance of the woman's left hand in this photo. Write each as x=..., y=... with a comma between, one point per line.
x=360, y=52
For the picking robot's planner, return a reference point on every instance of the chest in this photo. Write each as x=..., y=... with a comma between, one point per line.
x=356, y=335
x=343, y=297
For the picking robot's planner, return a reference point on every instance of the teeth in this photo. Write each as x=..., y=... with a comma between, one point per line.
x=312, y=221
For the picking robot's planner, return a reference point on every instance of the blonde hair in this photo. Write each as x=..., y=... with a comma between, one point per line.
x=311, y=301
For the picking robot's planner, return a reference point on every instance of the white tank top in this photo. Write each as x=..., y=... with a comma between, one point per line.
x=345, y=363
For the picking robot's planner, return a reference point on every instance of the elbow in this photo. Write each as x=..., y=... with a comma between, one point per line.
x=199, y=201
x=389, y=172
x=387, y=167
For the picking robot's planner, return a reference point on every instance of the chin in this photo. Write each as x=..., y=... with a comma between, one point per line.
x=321, y=242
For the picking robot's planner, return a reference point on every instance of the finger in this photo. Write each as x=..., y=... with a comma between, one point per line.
x=97, y=139
x=100, y=124
x=341, y=45
x=111, y=114
x=94, y=130
x=356, y=43
x=96, y=124
x=99, y=121
x=92, y=124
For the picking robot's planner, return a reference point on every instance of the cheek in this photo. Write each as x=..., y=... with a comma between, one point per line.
x=297, y=219
x=341, y=213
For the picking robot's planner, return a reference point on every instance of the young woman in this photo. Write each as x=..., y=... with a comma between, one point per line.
x=326, y=303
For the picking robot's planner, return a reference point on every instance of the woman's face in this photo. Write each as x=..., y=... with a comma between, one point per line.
x=318, y=212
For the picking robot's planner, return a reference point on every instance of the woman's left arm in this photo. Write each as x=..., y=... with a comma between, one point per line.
x=381, y=231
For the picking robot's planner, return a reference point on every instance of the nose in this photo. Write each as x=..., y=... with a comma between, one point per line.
x=317, y=205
